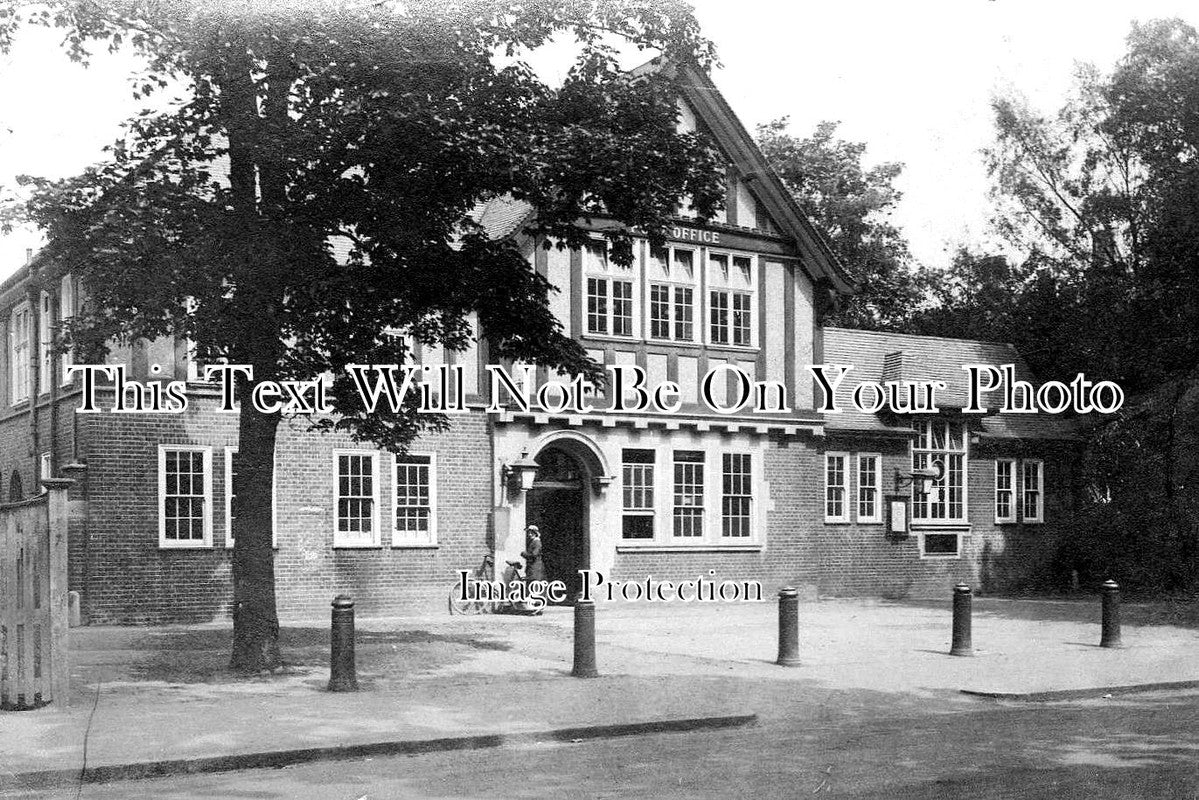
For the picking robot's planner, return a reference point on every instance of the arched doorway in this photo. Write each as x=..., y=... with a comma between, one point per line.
x=557, y=505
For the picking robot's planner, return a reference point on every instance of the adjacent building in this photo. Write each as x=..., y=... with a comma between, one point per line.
x=793, y=496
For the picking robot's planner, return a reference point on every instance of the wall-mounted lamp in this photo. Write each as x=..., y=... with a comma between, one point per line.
x=521, y=473
x=922, y=479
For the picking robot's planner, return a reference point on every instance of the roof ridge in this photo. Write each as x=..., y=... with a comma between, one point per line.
x=920, y=336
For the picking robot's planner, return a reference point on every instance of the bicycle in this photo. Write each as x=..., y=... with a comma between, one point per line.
x=484, y=574
x=483, y=578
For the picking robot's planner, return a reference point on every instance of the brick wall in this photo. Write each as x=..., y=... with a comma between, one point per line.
x=130, y=578
x=855, y=558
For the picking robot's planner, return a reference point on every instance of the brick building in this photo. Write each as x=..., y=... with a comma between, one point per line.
x=792, y=496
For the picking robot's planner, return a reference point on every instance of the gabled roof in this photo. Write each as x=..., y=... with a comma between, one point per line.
x=764, y=184
x=501, y=216
x=882, y=356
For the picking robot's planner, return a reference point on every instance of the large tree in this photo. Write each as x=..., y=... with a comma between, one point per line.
x=380, y=124
x=852, y=204
x=1098, y=201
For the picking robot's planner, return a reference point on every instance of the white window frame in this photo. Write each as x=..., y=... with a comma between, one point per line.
x=877, y=488
x=930, y=454
x=957, y=554
x=846, y=496
x=1039, y=517
x=726, y=286
x=403, y=538
x=44, y=466
x=45, y=344
x=189, y=544
x=641, y=511
x=66, y=311
x=1010, y=517
x=229, y=453
x=609, y=274
x=704, y=495
x=676, y=278
x=752, y=516
x=19, y=353
x=711, y=516
x=347, y=539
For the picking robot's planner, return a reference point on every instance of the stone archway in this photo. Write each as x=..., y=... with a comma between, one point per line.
x=557, y=505
x=571, y=469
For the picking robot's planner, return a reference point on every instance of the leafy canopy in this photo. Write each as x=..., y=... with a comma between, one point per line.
x=310, y=195
x=852, y=204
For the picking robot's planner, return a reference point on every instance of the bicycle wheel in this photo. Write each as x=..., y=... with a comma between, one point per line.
x=464, y=607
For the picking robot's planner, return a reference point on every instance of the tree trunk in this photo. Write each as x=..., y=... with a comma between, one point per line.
x=255, y=617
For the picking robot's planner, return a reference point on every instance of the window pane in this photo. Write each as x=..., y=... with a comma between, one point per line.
x=355, y=502
x=868, y=487
x=622, y=308
x=597, y=305
x=737, y=496
x=720, y=317
x=688, y=493
x=684, y=264
x=659, y=311
x=939, y=443
x=683, y=313
x=941, y=543
x=720, y=265
x=743, y=269
x=834, y=483
x=742, y=317
x=184, y=501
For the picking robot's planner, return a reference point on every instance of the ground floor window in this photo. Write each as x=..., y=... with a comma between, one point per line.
x=688, y=493
x=184, y=496
x=940, y=545
x=414, y=480
x=940, y=444
x=736, y=496
x=689, y=498
x=869, y=480
x=1005, y=482
x=637, y=521
x=356, y=502
x=1033, y=509
x=836, y=487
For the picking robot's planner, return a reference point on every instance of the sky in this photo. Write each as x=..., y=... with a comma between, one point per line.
x=912, y=80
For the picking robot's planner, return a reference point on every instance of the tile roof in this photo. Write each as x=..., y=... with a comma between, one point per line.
x=882, y=356
x=501, y=216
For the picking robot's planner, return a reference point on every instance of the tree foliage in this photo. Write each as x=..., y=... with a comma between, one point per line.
x=1100, y=200
x=852, y=204
x=308, y=129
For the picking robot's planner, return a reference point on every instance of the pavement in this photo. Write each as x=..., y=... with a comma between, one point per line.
x=158, y=700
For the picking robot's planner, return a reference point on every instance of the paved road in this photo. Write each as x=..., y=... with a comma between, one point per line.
x=1133, y=747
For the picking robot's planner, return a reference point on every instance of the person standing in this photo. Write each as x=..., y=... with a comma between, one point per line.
x=534, y=564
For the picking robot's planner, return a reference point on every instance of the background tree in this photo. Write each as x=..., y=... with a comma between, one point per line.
x=1100, y=202
x=380, y=125
x=853, y=206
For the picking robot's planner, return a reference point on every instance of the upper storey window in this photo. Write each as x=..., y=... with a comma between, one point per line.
x=20, y=328
x=611, y=294
x=732, y=283
x=672, y=294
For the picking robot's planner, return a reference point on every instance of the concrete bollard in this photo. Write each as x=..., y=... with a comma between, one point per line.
x=585, y=640
x=962, y=600
x=343, y=675
x=788, y=627
x=1111, y=615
